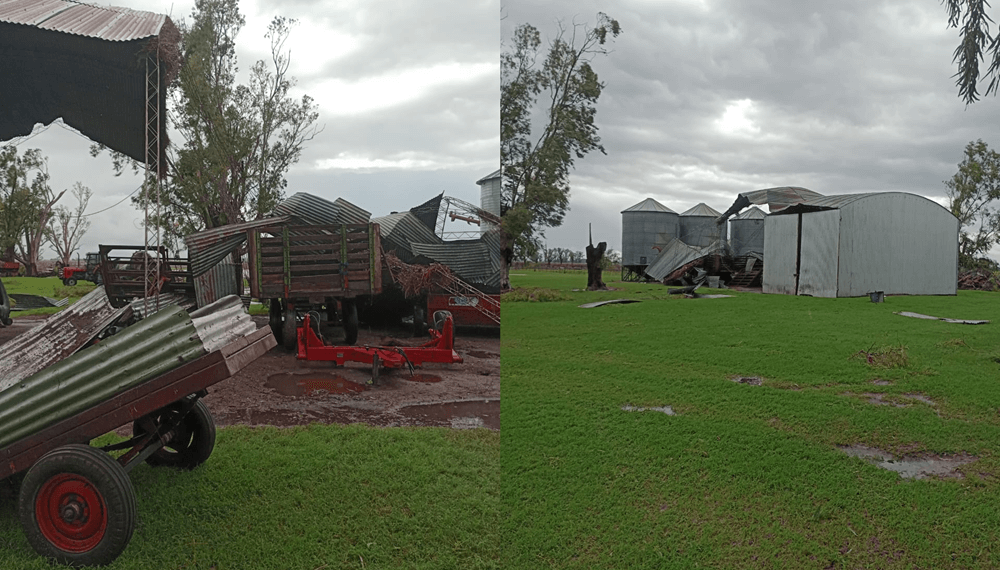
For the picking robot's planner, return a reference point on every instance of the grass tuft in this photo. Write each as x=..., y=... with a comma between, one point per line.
x=532, y=295
x=886, y=357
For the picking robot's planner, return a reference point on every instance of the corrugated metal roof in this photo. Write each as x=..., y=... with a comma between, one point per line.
x=470, y=260
x=163, y=300
x=649, y=205
x=109, y=23
x=208, y=248
x=753, y=213
x=703, y=210
x=401, y=229
x=490, y=176
x=309, y=209
x=675, y=255
x=59, y=336
x=826, y=202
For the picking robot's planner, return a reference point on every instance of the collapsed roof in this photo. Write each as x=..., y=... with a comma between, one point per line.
x=776, y=199
x=88, y=65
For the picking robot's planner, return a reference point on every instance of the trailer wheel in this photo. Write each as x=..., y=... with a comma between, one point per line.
x=419, y=321
x=77, y=506
x=193, y=441
x=289, y=339
x=350, y=317
x=274, y=318
x=439, y=317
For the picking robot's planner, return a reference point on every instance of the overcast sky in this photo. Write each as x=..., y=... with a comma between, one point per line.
x=408, y=96
x=704, y=99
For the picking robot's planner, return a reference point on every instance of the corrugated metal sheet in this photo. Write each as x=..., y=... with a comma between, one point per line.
x=675, y=255
x=819, y=259
x=308, y=209
x=209, y=247
x=143, y=351
x=223, y=279
x=470, y=260
x=826, y=203
x=222, y=322
x=163, y=300
x=780, y=248
x=103, y=22
x=747, y=232
x=698, y=226
x=648, y=205
x=401, y=229
x=59, y=336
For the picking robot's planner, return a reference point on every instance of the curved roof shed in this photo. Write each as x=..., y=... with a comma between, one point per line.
x=853, y=244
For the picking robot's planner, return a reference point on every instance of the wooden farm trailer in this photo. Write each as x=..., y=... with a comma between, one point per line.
x=302, y=268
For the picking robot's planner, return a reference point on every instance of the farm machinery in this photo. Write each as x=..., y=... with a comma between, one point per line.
x=91, y=271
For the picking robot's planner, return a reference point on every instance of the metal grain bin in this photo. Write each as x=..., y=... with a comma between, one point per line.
x=698, y=227
x=746, y=232
x=645, y=225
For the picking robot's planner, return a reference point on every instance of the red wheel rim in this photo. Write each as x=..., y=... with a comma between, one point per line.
x=71, y=513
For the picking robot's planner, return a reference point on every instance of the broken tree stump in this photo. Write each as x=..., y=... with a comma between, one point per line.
x=595, y=255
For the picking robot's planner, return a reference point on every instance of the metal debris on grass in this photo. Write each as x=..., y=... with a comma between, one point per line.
x=947, y=320
x=749, y=380
x=611, y=302
x=665, y=409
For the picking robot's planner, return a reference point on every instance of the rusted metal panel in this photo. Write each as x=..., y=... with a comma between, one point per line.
x=59, y=336
x=209, y=247
x=222, y=322
x=223, y=279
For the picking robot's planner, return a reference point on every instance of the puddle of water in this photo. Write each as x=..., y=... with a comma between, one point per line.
x=877, y=399
x=423, y=378
x=910, y=467
x=481, y=354
x=881, y=382
x=312, y=384
x=921, y=398
x=458, y=415
x=665, y=409
x=751, y=380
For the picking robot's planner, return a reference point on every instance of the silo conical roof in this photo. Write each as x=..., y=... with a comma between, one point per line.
x=649, y=205
x=754, y=213
x=702, y=209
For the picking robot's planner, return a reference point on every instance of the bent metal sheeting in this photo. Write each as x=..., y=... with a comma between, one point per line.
x=85, y=64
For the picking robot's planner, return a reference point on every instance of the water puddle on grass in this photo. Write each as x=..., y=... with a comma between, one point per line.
x=459, y=415
x=750, y=380
x=312, y=384
x=423, y=378
x=911, y=467
x=665, y=409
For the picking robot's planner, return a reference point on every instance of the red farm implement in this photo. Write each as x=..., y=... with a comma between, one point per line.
x=440, y=349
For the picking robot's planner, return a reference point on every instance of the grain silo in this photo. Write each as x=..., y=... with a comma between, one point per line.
x=644, y=226
x=746, y=232
x=489, y=192
x=698, y=227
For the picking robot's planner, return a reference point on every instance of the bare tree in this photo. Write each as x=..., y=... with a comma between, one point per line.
x=67, y=227
x=26, y=204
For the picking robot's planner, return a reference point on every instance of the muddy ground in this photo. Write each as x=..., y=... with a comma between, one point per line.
x=277, y=389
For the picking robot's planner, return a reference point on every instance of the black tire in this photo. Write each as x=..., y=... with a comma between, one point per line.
x=274, y=318
x=288, y=337
x=350, y=318
x=77, y=506
x=439, y=317
x=193, y=441
x=70, y=282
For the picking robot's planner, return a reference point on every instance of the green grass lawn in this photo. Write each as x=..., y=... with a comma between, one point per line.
x=743, y=476
x=309, y=498
x=46, y=287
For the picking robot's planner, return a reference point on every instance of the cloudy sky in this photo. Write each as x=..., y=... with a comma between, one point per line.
x=704, y=99
x=408, y=97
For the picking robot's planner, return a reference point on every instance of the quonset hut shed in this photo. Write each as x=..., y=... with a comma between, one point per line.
x=854, y=244
x=644, y=226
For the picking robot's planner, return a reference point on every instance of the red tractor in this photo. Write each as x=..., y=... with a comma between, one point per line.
x=9, y=268
x=91, y=272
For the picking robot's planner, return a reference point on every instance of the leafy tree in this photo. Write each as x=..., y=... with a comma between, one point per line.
x=238, y=140
x=67, y=227
x=976, y=41
x=536, y=166
x=972, y=195
x=26, y=202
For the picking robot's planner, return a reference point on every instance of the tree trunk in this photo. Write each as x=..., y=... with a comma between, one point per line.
x=506, y=256
x=594, y=257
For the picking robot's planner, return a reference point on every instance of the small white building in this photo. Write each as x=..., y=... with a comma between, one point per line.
x=855, y=244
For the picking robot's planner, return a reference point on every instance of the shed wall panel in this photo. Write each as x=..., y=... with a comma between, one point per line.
x=897, y=243
x=818, y=265
x=780, y=245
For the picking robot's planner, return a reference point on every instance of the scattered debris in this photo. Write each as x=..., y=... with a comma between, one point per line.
x=979, y=280
x=665, y=409
x=913, y=467
x=884, y=357
x=750, y=380
x=611, y=302
x=26, y=302
x=928, y=317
